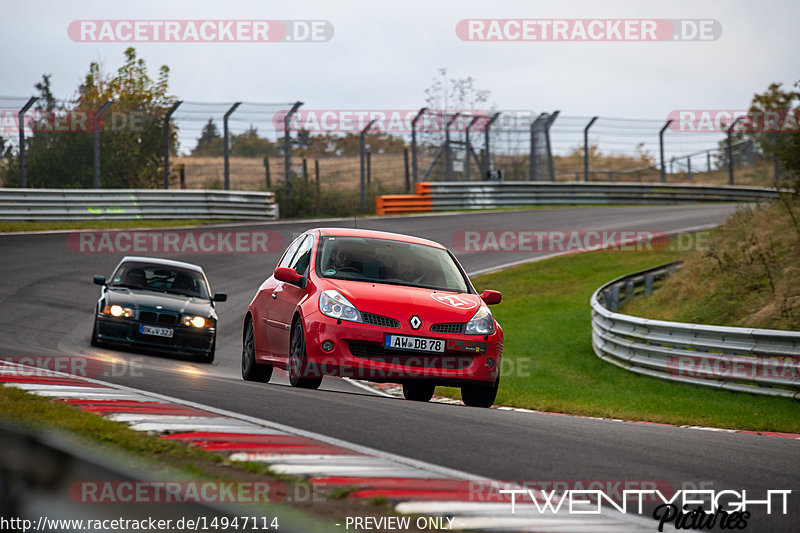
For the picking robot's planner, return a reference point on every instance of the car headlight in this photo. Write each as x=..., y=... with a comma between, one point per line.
x=118, y=311
x=196, y=321
x=481, y=323
x=334, y=305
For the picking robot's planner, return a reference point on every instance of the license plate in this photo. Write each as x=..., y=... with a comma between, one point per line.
x=417, y=344
x=158, y=332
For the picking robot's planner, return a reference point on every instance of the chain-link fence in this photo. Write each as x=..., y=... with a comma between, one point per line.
x=244, y=146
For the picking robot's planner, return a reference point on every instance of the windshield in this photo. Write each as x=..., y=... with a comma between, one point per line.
x=389, y=262
x=161, y=278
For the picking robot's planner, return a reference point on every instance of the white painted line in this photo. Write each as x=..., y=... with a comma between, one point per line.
x=155, y=418
x=543, y=525
x=362, y=385
x=85, y=395
x=56, y=386
x=193, y=427
x=293, y=458
x=346, y=470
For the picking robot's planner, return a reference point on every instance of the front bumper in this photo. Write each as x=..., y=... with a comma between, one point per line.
x=185, y=339
x=358, y=352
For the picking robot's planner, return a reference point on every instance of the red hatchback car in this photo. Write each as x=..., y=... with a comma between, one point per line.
x=376, y=306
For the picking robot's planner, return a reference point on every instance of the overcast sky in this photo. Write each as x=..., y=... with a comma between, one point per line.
x=384, y=54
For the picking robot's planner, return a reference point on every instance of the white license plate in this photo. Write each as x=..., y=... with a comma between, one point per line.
x=158, y=332
x=417, y=344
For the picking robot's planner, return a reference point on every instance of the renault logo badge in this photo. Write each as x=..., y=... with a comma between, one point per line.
x=415, y=322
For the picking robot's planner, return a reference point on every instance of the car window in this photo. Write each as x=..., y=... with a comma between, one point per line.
x=302, y=256
x=160, y=278
x=289, y=253
x=390, y=262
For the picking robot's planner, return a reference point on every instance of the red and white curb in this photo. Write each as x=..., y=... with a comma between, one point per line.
x=413, y=487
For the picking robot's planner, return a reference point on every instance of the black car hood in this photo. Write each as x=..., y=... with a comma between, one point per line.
x=149, y=299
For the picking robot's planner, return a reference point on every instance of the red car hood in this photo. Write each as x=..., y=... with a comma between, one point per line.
x=399, y=302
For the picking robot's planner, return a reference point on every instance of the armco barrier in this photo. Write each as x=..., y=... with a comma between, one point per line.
x=130, y=204
x=445, y=196
x=758, y=361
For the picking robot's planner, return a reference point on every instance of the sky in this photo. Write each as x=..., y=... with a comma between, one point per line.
x=383, y=55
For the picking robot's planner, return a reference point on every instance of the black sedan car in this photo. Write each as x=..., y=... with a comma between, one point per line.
x=157, y=304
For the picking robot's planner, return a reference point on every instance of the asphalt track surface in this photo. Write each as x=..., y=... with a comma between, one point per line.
x=47, y=297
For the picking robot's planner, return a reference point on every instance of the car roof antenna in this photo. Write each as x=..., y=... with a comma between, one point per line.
x=355, y=224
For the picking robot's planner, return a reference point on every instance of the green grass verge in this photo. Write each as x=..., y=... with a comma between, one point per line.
x=6, y=227
x=549, y=364
x=33, y=412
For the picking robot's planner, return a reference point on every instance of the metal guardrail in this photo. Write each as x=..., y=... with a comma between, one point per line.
x=472, y=195
x=758, y=361
x=36, y=205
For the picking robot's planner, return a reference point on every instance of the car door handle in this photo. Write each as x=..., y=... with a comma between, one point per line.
x=274, y=295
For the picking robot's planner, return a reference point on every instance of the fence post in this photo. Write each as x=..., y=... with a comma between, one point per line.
x=226, y=144
x=414, y=143
x=775, y=161
x=305, y=169
x=287, y=157
x=405, y=166
x=661, y=151
x=167, y=117
x=182, y=171
x=369, y=167
x=689, y=167
x=550, y=120
x=96, y=142
x=708, y=160
x=730, y=150
x=488, y=152
x=361, y=150
x=448, y=159
x=266, y=169
x=586, y=149
x=21, y=125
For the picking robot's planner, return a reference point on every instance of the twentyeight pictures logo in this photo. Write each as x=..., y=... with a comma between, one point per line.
x=546, y=30
x=199, y=31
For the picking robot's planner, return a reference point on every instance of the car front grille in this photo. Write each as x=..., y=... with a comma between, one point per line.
x=162, y=319
x=378, y=353
x=452, y=328
x=378, y=320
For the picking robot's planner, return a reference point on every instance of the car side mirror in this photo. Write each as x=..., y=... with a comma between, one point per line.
x=491, y=297
x=99, y=280
x=287, y=275
x=220, y=297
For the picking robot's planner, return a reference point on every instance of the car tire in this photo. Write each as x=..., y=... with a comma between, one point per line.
x=298, y=362
x=208, y=357
x=418, y=391
x=251, y=371
x=95, y=341
x=479, y=395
